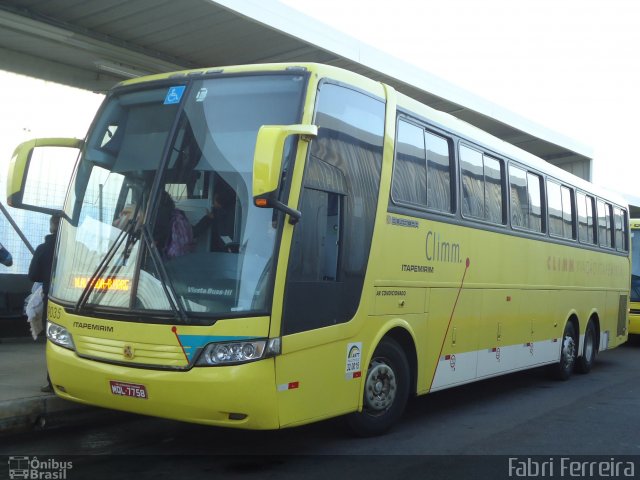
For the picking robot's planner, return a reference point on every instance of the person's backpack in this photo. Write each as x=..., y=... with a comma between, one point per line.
x=180, y=240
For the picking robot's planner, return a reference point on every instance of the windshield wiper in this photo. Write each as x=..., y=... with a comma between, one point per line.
x=174, y=301
x=126, y=234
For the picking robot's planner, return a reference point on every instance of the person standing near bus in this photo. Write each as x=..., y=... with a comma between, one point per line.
x=5, y=257
x=40, y=271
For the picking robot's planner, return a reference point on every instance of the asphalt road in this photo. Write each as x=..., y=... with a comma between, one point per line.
x=465, y=432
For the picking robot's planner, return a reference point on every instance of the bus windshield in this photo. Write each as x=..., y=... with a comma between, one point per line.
x=161, y=202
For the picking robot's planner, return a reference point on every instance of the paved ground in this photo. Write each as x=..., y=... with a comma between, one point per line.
x=475, y=431
x=23, y=406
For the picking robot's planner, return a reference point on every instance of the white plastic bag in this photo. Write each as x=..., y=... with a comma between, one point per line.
x=33, y=309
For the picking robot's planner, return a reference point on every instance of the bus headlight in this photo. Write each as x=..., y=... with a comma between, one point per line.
x=60, y=336
x=226, y=353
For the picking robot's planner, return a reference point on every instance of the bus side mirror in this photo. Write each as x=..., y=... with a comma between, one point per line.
x=35, y=166
x=267, y=164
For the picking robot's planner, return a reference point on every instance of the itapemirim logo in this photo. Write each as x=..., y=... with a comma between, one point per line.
x=36, y=469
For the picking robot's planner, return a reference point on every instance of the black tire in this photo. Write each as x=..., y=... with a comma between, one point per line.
x=589, y=350
x=568, y=353
x=386, y=391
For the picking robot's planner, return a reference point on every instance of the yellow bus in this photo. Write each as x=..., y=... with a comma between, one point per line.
x=634, y=298
x=267, y=246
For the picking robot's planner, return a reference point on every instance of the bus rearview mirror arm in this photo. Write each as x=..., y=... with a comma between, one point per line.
x=294, y=215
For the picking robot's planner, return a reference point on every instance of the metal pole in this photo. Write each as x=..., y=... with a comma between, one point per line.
x=16, y=228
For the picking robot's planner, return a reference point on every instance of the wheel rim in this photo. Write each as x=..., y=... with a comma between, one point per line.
x=380, y=388
x=568, y=351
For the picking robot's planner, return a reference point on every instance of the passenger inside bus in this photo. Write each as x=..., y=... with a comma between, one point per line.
x=220, y=220
x=172, y=233
x=213, y=232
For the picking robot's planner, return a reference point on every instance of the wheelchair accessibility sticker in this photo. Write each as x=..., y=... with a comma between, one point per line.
x=174, y=95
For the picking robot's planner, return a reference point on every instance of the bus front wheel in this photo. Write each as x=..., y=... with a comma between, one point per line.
x=386, y=390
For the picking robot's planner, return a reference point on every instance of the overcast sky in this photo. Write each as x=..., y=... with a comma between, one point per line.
x=570, y=65
x=35, y=108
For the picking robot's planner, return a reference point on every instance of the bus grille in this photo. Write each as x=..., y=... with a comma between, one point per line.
x=135, y=353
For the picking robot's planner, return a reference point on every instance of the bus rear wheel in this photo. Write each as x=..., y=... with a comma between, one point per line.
x=589, y=351
x=568, y=353
x=386, y=391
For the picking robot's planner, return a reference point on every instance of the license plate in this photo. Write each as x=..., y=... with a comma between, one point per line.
x=134, y=390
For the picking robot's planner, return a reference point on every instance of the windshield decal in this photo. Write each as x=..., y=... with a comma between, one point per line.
x=202, y=94
x=174, y=95
x=354, y=353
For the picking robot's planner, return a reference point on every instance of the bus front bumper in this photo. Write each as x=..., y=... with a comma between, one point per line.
x=239, y=396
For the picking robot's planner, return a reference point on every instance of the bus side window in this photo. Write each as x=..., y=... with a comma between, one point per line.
x=439, y=165
x=620, y=229
x=519, y=202
x=422, y=169
x=534, y=193
x=561, y=211
x=604, y=225
x=410, y=173
x=554, y=207
x=526, y=199
x=585, y=218
x=482, y=180
x=472, y=182
x=568, y=213
x=493, y=176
